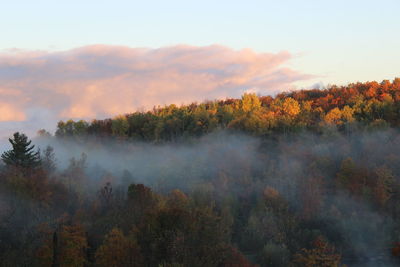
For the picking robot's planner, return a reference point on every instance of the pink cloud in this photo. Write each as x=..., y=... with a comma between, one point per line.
x=101, y=80
x=8, y=112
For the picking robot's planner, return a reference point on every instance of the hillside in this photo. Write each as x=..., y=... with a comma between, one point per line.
x=305, y=178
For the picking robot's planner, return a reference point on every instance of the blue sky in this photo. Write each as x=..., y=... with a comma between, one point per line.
x=50, y=70
x=342, y=41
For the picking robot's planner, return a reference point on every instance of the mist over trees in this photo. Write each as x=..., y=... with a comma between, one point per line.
x=306, y=178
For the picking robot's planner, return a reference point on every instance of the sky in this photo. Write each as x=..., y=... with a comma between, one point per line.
x=95, y=59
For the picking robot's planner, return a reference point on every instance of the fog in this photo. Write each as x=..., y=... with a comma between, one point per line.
x=229, y=164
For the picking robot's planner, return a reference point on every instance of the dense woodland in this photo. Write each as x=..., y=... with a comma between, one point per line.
x=305, y=178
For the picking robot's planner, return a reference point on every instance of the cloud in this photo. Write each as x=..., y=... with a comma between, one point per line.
x=10, y=113
x=100, y=80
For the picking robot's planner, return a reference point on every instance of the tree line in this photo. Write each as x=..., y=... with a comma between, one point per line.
x=345, y=108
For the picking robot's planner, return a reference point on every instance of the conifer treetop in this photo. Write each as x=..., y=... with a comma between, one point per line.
x=22, y=155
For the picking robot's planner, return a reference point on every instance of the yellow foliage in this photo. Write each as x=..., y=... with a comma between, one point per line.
x=334, y=116
x=291, y=107
x=250, y=102
x=347, y=114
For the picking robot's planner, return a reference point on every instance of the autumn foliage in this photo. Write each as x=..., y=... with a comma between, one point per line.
x=316, y=182
x=345, y=108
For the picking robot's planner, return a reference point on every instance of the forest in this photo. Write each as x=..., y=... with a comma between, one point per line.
x=303, y=178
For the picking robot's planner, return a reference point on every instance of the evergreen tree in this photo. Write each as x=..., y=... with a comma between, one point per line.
x=22, y=154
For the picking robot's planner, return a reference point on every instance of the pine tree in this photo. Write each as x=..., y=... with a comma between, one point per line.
x=22, y=154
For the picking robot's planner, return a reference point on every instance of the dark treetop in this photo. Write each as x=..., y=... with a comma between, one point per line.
x=22, y=154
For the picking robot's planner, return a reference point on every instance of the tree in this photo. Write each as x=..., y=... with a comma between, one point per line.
x=322, y=255
x=346, y=174
x=118, y=250
x=72, y=128
x=383, y=189
x=291, y=107
x=250, y=102
x=141, y=199
x=120, y=126
x=72, y=246
x=22, y=154
x=274, y=254
x=333, y=116
x=65, y=247
x=48, y=159
x=43, y=133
